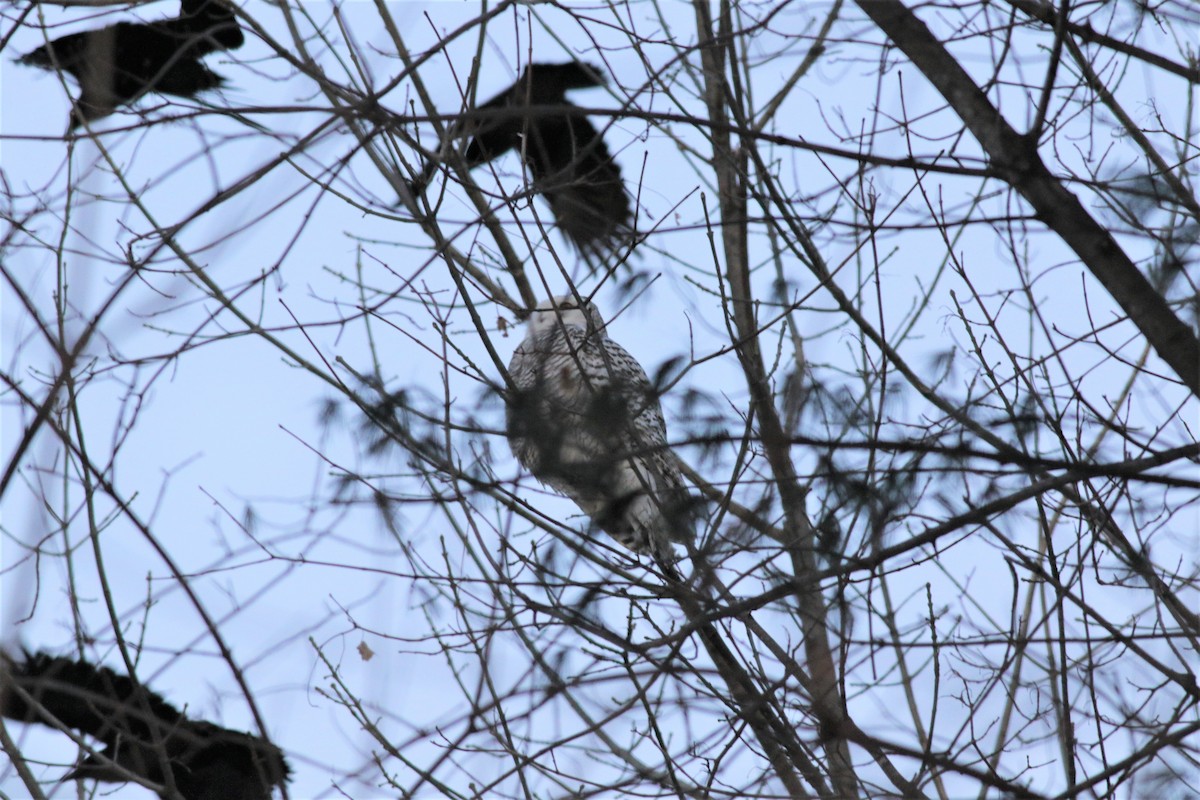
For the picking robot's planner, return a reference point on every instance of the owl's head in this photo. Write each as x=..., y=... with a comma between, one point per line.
x=565, y=310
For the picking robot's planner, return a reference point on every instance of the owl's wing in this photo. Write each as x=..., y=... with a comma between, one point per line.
x=611, y=366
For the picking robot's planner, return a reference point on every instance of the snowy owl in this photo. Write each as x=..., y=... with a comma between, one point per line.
x=586, y=421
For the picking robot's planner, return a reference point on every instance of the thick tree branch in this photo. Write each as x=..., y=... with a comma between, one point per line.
x=731, y=166
x=1044, y=12
x=1016, y=159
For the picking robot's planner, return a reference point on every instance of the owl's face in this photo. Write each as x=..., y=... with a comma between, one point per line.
x=564, y=310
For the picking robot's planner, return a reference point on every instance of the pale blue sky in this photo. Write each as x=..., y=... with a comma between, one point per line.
x=231, y=425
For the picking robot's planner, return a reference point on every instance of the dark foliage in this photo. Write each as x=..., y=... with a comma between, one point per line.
x=141, y=733
x=118, y=64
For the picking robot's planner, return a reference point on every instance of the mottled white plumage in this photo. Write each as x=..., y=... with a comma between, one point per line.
x=586, y=421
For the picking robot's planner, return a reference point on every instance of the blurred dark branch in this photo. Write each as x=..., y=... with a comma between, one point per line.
x=1130, y=468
